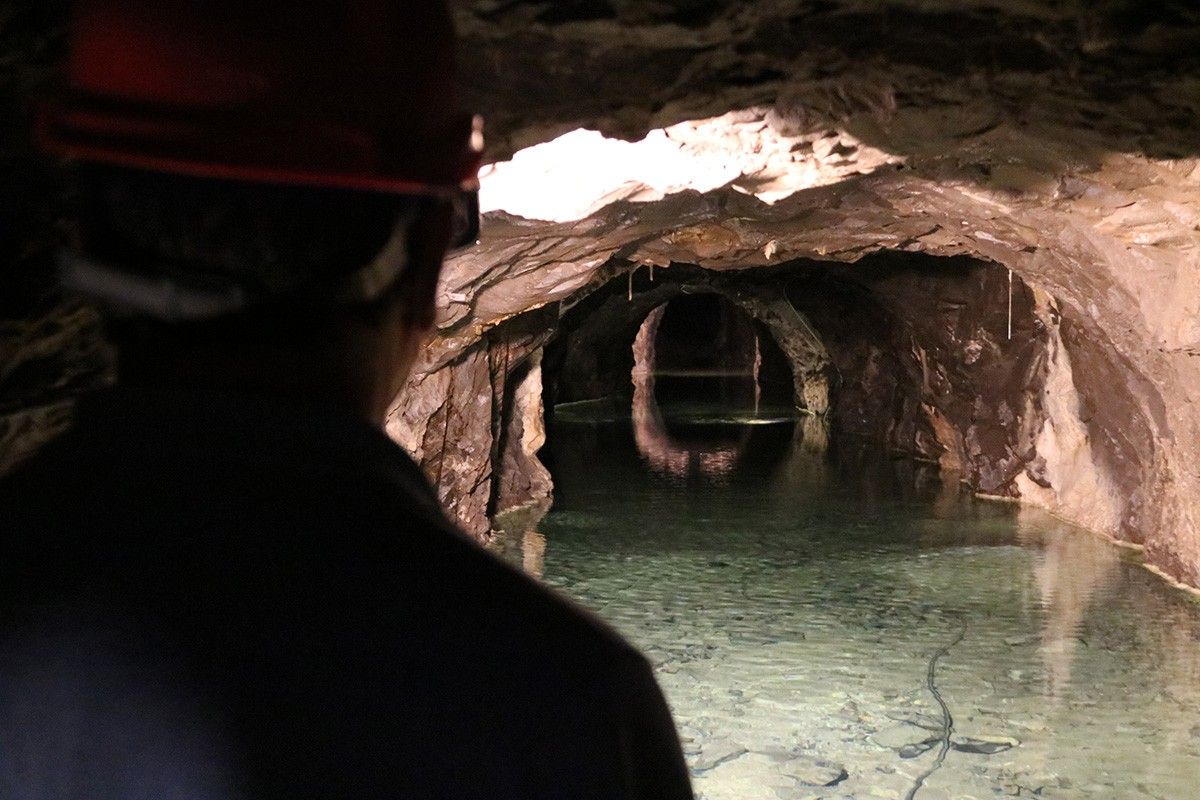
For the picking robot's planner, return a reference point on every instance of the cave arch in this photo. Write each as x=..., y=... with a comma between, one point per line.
x=592, y=352
x=714, y=461
x=1106, y=450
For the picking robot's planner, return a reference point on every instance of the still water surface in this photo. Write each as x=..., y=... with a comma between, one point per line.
x=843, y=625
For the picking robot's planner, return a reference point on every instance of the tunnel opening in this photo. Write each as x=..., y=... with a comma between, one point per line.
x=698, y=367
x=722, y=332
x=901, y=355
x=706, y=355
x=838, y=534
x=705, y=349
x=702, y=365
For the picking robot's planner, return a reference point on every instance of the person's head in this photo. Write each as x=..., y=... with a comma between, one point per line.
x=265, y=191
x=289, y=289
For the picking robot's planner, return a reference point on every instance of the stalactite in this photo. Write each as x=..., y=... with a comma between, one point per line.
x=1010, y=281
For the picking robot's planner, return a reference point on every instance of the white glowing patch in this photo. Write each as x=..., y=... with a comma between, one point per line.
x=579, y=173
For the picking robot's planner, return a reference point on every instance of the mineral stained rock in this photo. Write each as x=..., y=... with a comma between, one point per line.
x=1055, y=141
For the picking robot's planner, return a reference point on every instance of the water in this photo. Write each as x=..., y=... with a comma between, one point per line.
x=792, y=602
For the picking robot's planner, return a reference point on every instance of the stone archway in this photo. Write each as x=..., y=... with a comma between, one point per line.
x=1111, y=443
x=713, y=461
x=609, y=323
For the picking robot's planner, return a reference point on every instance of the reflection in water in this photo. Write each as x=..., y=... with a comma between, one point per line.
x=816, y=433
x=686, y=438
x=666, y=455
x=533, y=553
x=1071, y=570
x=791, y=617
x=518, y=540
x=661, y=451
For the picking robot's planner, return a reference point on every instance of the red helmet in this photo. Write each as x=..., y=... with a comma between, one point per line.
x=356, y=94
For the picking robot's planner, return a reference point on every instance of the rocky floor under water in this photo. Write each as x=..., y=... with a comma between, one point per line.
x=799, y=607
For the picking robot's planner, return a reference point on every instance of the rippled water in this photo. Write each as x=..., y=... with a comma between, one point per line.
x=792, y=603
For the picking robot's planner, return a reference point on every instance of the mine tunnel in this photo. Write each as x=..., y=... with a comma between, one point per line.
x=841, y=357
x=704, y=347
x=902, y=351
x=758, y=468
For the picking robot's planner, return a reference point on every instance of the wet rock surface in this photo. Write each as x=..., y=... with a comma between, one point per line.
x=930, y=362
x=984, y=745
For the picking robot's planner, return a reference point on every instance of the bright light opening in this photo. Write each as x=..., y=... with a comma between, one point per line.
x=581, y=172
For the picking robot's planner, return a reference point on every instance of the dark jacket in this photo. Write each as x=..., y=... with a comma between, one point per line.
x=214, y=596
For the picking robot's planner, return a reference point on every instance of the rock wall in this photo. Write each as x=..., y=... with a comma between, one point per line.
x=943, y=359
x=521, y=480
x=475, y=422
x=1055, y=139
x=1134, y=393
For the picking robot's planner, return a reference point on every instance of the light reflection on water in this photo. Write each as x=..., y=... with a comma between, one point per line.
x=791, y=603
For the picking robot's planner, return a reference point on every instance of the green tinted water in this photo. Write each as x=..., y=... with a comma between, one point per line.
x=792, y=603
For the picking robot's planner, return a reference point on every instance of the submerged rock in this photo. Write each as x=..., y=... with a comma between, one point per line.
x=714, y=754
x=983, y=744
x=763, y=775
x=818, y=772
x=919, y=748
x=900, y=736
x=807, y=770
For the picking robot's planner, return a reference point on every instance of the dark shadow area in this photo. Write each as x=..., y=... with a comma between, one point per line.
x=706, y=351
x=941, y=360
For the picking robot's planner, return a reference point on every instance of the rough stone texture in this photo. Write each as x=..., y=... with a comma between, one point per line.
x=476, y=412
x=1053, y=139
x=593, y=356
x=927, y=363
x=522, y=480
x=449, y=430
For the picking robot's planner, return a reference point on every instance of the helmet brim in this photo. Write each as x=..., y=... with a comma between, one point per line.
x=236, y=145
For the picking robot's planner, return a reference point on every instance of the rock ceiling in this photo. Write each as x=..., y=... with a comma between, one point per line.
x=1058, y=139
